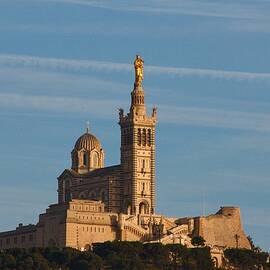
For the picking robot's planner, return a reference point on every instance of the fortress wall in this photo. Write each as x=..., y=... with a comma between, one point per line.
x=84, y=227
x=222, y=229
x=82, y=235
x=51, y=229
x=24, y=236
x=128, y=235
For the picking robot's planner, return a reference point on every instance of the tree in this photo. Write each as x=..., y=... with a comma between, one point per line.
x=250, y=240
x=198, y=241
x=120, y=255
x=25, y=263
x=40, y=263
x=86, y=260
x=156, y=254
x=7, y=261
x=202, y=258
x=81, y=264
x=177, y=253
x=246, y=259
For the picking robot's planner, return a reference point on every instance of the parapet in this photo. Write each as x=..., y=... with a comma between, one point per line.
x=229, y=211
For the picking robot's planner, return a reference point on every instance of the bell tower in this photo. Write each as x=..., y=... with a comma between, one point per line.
x=138, y=150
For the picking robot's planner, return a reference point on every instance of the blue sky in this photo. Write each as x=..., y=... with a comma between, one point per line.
x=207, y=69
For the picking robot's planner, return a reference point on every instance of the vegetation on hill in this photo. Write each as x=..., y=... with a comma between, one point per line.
x=244, y=259
x=126, y=256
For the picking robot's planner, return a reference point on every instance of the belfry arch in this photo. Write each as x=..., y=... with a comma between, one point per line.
x=143, y=208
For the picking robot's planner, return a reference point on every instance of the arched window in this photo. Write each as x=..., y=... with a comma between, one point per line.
x=67, y=184
x=144, y=137
x=95, y=162
x=102, y=196
x=67, y=194
x=143, y=208
x=149, y=137
x=92, y=195
x=143, y=164
x=85, y=159
x=139, y=136
x=81, y=195
x=129, y=210
x=129, y=136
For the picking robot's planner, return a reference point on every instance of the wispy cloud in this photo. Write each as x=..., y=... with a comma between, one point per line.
x=120, y=29
x=39, y=81
x=224, y=9
x=103, y=109
x=74, y=65
x=208, y=73
x=215, y=118
x=243, y=16
x=100, y=108
x=61, y=64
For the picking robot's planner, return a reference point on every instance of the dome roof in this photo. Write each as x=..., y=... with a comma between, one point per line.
x=88, y=142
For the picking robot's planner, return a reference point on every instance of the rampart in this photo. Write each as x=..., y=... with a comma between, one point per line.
x=222, y=229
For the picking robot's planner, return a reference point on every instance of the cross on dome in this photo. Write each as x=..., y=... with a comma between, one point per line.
x=87, y=126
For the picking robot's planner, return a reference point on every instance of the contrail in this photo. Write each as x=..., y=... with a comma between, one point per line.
x=75, y=65
x=178, y=115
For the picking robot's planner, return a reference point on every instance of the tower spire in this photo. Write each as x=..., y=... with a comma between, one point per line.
x=138, y=150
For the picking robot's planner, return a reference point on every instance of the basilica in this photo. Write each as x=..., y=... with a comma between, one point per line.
x=97, y=203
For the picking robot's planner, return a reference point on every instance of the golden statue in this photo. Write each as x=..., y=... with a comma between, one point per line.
x=138, y=64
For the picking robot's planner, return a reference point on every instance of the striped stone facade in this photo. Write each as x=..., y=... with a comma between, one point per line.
x=138, y=156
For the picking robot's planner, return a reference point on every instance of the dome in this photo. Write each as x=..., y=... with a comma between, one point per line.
x=88, y=142
x=87, y=154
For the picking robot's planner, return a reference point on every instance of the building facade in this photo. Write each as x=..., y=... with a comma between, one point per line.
x=97, y=203
x=125, y=188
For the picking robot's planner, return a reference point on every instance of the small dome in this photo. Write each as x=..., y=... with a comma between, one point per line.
x=88, y=142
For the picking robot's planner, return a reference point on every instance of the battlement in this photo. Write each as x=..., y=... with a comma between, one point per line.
x=229, y=211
